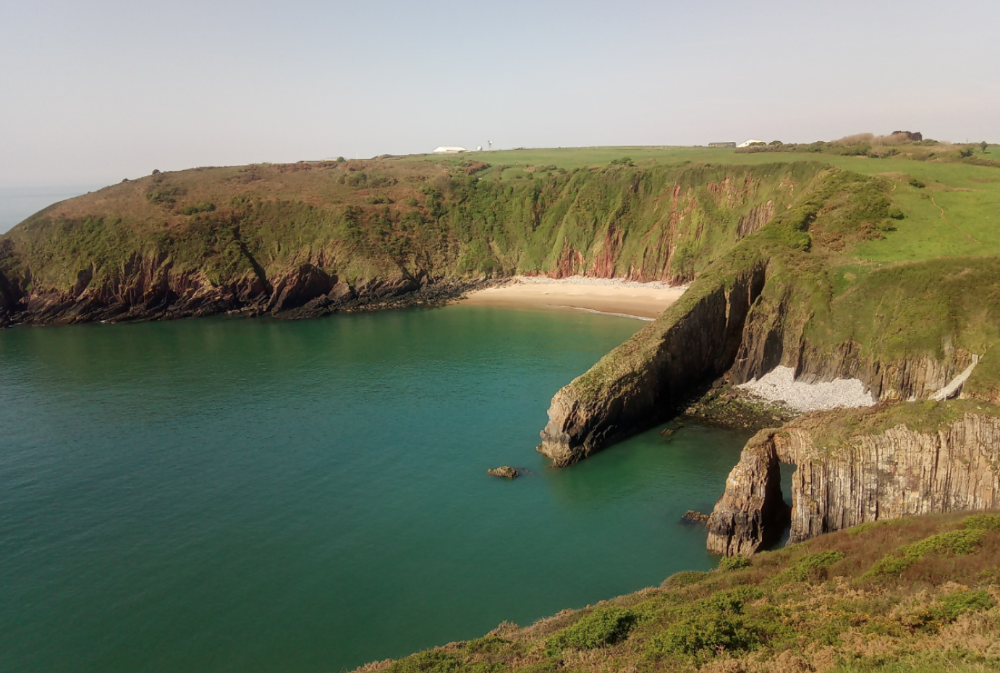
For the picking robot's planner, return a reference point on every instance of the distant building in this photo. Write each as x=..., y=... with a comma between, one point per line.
x=450, y=150
x=722, y=144
x=751, y=143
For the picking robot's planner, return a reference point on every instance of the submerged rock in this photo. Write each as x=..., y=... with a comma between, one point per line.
x=504, y=472
x=695, y=517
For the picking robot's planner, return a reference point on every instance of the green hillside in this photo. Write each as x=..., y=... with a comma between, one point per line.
x=916, y=595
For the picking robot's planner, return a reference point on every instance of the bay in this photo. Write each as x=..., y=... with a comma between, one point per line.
x=258, y=495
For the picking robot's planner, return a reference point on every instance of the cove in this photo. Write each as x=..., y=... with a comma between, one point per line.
x=258, y=495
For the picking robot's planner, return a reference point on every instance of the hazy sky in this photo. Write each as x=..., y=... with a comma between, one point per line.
x=92, y=92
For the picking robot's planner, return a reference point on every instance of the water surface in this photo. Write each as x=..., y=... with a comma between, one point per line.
x=19, y=203
x=257, y=495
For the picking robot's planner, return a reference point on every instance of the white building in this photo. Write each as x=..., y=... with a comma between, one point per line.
x=450, y=150
x=751, y=142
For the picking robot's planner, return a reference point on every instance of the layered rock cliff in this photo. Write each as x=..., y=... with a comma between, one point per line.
x=858, y=467
x=694, y=341
x=307, y=239
x=777, y=298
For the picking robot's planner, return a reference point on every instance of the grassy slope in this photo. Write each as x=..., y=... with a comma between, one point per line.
x=918, y=594
x=383, y=218
x=968, y=194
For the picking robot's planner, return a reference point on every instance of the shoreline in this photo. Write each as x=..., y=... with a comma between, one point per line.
x=607, y=296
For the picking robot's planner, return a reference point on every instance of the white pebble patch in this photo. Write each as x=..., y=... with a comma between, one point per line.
x=779, y=385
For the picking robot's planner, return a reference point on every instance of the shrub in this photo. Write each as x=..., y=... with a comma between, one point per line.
x=811, y=566
x=599, y=628
x=896, y=213
x=989, y=522
x=966, y=152
x=341, y=160
x=156, y=171
x=952, y=606
x=202, y=207
x=949, y=608
x=734, y=563
x=955, y=543
x=917, y=183
x=486, y=644
x=426, y=662
x=717, y=623
x=685, y=578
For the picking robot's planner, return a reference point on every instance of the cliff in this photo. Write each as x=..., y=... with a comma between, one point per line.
x=307, y=239
x=854, y=467
x=695, y=340
x=782, y=296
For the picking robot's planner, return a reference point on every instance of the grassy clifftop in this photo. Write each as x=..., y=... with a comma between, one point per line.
x=388, y=218
x=912, y=595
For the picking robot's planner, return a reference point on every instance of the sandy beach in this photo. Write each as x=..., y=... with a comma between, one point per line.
x=644, y=301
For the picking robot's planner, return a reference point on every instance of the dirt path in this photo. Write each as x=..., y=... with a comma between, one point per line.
x=945, y=218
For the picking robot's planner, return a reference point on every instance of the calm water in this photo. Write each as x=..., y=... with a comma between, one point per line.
x=255, y=495
x=18, y=203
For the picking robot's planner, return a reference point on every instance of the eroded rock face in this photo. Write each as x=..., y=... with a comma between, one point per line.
x=150, y=288
x=641, y=380
x=888, y=475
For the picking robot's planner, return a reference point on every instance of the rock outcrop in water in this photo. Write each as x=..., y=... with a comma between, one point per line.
x=844, y=479
x=696, y=340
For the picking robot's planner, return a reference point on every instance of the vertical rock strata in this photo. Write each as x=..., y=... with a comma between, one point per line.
x=894, y=473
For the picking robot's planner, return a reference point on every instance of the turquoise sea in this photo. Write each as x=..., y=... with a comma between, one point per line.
x=257, y=495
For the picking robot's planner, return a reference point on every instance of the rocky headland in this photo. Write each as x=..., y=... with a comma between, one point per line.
x=781, y=295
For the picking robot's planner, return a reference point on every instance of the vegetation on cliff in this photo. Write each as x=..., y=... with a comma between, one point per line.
x=917, y=594
x=241, y=235
x=806, y=291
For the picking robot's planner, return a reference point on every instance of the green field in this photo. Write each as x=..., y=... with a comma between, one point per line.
x=957, y=213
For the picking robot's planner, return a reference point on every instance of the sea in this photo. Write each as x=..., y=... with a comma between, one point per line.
x=232, y=494
x=18, y=203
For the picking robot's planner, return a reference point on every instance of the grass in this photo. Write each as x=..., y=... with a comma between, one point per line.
x=832, y=429
x=812, y=606
x=968, y=194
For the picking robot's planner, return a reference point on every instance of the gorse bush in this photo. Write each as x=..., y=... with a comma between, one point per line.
x=947, y=609
x=599, y=628
x=201, y=207
x=811, y=566
x=718, y=623
x=734, y=563
x=955, y=543
x=426, y=662
x=988, y=522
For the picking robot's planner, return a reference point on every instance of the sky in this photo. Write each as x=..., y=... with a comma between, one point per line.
x=93, y=92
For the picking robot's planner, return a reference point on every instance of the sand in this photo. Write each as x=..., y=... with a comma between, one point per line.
x=644, y=301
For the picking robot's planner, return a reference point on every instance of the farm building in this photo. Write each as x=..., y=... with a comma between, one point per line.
x=751, y=143
x=450, y=150
x=722, y=144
